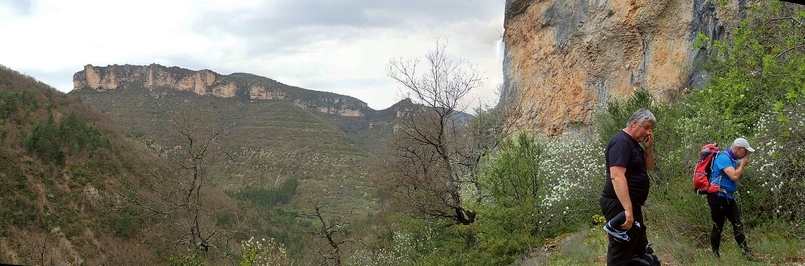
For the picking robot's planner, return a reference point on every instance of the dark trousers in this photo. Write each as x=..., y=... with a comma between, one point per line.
x=622, y=253
x=722, y=208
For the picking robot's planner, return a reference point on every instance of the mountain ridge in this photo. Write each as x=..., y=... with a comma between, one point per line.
x=367, y=126
x=240, y=85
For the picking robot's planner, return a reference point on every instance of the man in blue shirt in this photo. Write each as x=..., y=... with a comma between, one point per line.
x=727, y=170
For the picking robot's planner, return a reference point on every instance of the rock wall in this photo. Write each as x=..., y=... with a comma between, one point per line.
x=207, y=82
x=203, y=82
x=565, y=57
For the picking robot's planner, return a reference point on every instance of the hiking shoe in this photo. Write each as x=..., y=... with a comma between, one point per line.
x=716, y=255
x=645, y=260
x=748, y=256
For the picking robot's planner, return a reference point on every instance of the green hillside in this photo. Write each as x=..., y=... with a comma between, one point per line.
x=286, y=158
x=83, y=190
x=64, y=167
x=272, y=140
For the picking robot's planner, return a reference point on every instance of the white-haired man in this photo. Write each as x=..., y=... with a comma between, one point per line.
x=626, y=190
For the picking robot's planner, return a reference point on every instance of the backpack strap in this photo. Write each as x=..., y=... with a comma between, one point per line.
x=721, y=174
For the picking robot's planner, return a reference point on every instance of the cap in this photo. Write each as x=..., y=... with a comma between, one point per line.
x=741, y=142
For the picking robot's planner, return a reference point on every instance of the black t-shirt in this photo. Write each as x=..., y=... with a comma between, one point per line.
x=623, y=150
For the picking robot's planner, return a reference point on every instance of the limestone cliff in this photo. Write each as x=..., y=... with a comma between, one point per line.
x=206, y=82
x=564, y=57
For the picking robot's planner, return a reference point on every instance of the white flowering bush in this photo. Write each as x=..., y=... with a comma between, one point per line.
x=777, y=174
x=401, y=249
x=574, y=168
x=263, y=252
x=541, y=188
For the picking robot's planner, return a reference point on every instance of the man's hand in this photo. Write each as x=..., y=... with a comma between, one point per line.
x=629, y=220
x=649, y=140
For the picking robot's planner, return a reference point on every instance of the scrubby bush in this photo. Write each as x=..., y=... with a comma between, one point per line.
x=263, y=252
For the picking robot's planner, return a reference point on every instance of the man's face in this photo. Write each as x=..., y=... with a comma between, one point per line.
x=741, y=152
x=642, y=132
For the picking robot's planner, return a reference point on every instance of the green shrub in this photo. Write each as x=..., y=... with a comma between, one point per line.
x=194, y=259
x=268, y=197
x=263, y=253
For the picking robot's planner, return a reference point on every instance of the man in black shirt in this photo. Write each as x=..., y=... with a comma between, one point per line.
x=627, y=187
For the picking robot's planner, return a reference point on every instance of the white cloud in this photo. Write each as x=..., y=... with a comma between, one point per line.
x=337, y=46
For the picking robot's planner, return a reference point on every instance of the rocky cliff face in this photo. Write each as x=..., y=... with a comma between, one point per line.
x=564, y=57
x=205, y=82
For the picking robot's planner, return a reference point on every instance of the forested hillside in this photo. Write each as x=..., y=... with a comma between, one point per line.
x=65, y=168
x=79, y=190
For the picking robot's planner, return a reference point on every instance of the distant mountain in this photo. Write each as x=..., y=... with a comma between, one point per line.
x=241, y=86
x=280, y=132
x=76, y=165
x=367, y=127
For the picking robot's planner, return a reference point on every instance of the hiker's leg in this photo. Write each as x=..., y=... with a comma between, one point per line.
x=640, y=244
x=717, y=214
x=733, y=213
x=642, y=240
x=617, y=253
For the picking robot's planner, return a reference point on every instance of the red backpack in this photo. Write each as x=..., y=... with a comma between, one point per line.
x=704, y=167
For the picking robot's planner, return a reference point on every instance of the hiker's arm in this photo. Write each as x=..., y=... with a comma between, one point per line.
x=735, y=174
x=649, y=159
x=650, y=152
x=618, y=175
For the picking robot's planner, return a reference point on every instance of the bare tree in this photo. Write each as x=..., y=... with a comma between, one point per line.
x=184, y=196
x=199, y=152
x=436, y=151
x=333, y=231
x=37, y=248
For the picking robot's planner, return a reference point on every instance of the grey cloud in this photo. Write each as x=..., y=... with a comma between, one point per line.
x=373, y=13
x=22, y=7
x=297, y=22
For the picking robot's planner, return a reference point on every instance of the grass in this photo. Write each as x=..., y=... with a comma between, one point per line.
x=588, y=247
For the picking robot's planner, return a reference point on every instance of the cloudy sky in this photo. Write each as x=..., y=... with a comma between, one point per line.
x=340, y=46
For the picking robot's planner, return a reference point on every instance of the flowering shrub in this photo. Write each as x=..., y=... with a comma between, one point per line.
x=263, y=252
x=540, y=188
x=575, y=169
x=401, y=249
x=778, y=166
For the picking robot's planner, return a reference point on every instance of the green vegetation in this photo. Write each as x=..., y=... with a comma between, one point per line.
x=267, y=198
x=60, y=171
x=285, y=158
x=50, y=140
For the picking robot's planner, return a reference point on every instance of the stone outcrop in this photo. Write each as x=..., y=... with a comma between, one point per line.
x=565, y=57
x=206, y=82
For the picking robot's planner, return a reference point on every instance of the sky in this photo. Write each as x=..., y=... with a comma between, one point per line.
x=340, y=46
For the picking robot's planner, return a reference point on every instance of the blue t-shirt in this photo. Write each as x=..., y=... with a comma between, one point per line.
x=724, y=160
